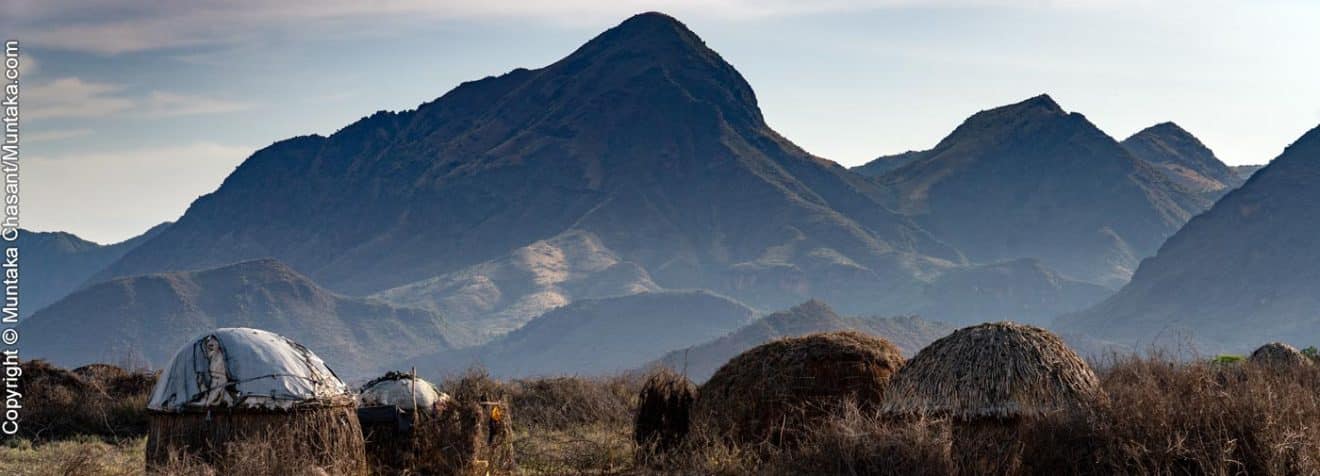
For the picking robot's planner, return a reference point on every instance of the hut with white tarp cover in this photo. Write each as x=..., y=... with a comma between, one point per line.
x=235, y=386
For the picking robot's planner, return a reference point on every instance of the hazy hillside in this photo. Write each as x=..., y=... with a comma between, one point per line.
x=599, y=336
x=56, y=263
x=500, y=295
x=910, y=334
x=1245, y=172
x=149, y=317
x=1029, y=180
x=1243, y=273
x=1021, y=290
x=884, y=164
x=1183, y=159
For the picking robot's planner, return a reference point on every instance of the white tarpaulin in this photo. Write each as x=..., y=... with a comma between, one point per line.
x=245, y=368
x=397, y=389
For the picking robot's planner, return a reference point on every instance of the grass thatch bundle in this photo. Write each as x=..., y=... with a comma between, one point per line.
x=663, y=412
x=1279, y=355
x=771, y=392
x=988, y=380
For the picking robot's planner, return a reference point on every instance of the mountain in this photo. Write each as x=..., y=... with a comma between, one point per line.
x=599, y=336
x=1021, y=290
x=500, y=295
x=1244, y=172
x=643, y=137
x=56, y=263
x=885, y=164
x=1029, y=180
x=1183, y=159
x=699, y=362
x=150, y=316
x=1242, y=274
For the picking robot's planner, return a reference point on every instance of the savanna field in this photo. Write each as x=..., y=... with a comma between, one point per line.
x=1220, y=416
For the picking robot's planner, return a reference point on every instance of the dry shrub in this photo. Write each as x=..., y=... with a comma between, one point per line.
x=106, y=402
x=258, y=443
x=770, y=393
x=477, y=429
x=663, y=413
x=1200, y=418
x=566, y=402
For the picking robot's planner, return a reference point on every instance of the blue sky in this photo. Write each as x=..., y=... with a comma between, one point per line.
x=133, y=109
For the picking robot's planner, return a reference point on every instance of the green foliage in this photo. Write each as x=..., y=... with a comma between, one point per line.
x=1311, y=352
x=1227, y=359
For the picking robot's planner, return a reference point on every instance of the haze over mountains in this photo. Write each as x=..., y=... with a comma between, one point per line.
x=630, y=200
x=65, y=262
x=1243, y=273
x=147, y=318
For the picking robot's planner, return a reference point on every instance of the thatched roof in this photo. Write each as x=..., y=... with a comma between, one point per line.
x=1278, y=354
x=774, y=389
x=995, y=370
x=246, y=368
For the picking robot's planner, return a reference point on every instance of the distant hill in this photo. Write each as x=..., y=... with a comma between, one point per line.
x=598, y=336
x=1183, y=159
x=885, y=164
x=56, y=263
x=1242, y=274
x=1021, y=290
x=149, y=317
x=1245, y=172
x=500, y=295
x=1029, y=180
x=700, y=361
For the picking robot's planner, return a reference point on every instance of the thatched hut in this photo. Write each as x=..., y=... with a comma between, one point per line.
x=396, y=410
x=663, y=412
x=770, y=393
x=236, y=389
x=1280, y=356
x=987, y=380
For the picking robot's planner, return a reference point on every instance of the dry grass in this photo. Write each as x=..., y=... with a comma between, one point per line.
x=766, y=393
x=1164, y=418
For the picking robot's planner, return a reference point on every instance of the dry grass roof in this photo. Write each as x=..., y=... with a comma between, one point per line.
x=777, y=387
x=997, y=370
x=1280, y=355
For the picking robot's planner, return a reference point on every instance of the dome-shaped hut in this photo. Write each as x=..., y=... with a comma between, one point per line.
x=398, y=412
x=233, y=386
x=1279, y=355
x=771, y=392
x=989, y=378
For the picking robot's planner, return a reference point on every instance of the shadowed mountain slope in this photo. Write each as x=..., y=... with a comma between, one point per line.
x=1029, y=180
x=1183, y=159
x=1243, y=273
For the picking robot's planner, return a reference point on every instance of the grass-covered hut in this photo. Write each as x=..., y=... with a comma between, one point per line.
x=772, y=392
x=236, y=390
x=1279, y=355
x=397, y=411
x=987, y=380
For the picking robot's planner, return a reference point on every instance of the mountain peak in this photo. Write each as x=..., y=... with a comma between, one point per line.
x=1165, y=129
x=650, y=31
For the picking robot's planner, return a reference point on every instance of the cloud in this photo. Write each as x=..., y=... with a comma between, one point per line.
x=76, y=98
x=55, y=135
x=73, y=97
x=107, y=196
x=164, y=104
x=112, y=27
